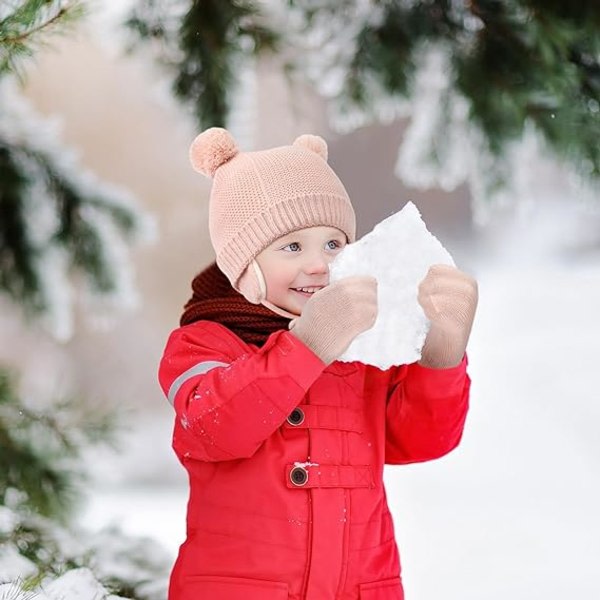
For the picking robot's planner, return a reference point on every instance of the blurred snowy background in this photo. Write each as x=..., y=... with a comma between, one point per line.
x=513, y=512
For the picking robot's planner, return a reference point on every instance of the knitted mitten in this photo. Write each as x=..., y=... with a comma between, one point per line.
x=335, y=315
x=449, y=298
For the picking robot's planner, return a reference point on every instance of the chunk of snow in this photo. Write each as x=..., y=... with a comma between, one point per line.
x=398, y=253
x=77, y=584
x=8, y=520
x=13, y=565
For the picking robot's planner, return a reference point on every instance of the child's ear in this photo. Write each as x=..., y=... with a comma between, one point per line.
x=249, y=284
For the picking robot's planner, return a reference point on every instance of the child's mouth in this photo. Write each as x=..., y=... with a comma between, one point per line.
x=307, y=292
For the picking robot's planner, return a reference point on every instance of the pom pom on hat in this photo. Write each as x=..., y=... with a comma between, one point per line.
x=211, y=149
x=312, y=142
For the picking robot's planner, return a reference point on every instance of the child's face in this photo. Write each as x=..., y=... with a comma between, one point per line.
x=299, y=260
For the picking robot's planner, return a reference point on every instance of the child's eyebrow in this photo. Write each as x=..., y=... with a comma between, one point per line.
x=286, y=239
x=292, y=236
x=299, y=236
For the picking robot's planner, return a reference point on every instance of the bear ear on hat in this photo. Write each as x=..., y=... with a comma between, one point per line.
x=315, y=143
x=211, y=149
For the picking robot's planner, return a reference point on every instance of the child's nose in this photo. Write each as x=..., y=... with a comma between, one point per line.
x=318, y=263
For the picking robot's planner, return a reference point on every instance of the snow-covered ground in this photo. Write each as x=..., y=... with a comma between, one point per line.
x=513, y=512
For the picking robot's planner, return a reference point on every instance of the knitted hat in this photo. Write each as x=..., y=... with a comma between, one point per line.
x=258, y=197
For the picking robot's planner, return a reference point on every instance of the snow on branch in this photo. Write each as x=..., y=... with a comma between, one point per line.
x=60, y=221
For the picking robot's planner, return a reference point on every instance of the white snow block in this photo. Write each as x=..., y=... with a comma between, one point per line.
x=398, y=253
x=14, y=566
x=8, y=520
x=76, y=584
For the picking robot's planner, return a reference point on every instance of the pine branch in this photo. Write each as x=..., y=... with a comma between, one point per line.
x=202, y=50
x=31, y=176
x=516, y=62
x=40, y=456
x=25, y=35
x=531, y=61
x=18, y=591
x=91, y=220
x=39, y=450
x=24, y=29
x=18, y=276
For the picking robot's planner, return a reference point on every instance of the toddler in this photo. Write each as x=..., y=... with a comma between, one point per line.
x=283, y=444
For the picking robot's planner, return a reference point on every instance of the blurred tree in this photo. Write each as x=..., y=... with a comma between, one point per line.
x=56, y=219
x=23, y=22
x=40, y=451
x=41, y=478
x=57, y=222
x=491, y=70
x=201, y=44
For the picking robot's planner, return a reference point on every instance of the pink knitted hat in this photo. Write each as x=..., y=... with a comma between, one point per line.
x=258, y=197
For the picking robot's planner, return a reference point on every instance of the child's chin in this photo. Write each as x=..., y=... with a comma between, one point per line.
x=295, y=302
x=298, y=296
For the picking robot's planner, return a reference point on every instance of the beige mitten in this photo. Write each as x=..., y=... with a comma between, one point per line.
x=335, y=315
x=449, y=299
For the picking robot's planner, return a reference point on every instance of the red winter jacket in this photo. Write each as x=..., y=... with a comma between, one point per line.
x=285, y=460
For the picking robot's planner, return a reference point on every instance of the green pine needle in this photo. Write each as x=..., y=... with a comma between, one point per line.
x=29, y=25
x=517, y=62
x=40, y=450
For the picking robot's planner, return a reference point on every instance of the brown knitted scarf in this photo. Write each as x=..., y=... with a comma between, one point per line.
x=214, y=299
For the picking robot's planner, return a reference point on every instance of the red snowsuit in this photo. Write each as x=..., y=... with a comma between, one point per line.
x=285, y=460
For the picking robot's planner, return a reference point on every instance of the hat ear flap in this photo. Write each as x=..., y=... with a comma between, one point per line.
x=314, y=143
x=249, y=284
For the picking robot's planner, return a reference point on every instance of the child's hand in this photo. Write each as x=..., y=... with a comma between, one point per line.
x=449, y=298
x=335, y=315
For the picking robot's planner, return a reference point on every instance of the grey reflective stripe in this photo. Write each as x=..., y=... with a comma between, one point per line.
x=198, y=369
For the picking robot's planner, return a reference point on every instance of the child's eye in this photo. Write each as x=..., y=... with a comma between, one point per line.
x=333, y=245
x=294, y=247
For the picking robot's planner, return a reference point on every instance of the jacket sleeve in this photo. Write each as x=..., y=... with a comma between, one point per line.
x=228, y=398
x=426, y=412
